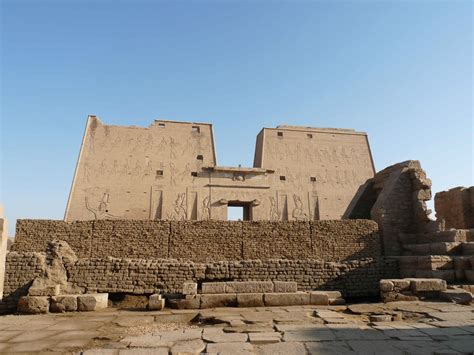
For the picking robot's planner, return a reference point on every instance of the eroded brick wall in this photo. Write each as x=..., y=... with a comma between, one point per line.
x=202, y=241
x=456, y=207
x=352, y=278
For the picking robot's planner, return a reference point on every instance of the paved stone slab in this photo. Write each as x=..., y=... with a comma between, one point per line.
x=265, y=338
x=144, y=351
x=333, y=347
x=131, y=321
x=230, y=348
x=217, y=335
x=195, y=346
x=308, y=335
x=284, y=348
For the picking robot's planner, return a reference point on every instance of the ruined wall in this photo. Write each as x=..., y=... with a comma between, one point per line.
x=456, y=207
x=397, y=198
x=205, y=240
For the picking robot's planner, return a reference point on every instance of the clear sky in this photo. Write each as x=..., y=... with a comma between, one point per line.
x=401, y=71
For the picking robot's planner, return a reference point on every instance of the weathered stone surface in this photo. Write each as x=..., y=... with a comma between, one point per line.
x=319, y=298
x=265, y=338
x=66, y=303
x=219, y=300
x=423, y=285
x=92, y=302
x=156, y=302
x=190, y=302
x=189, y=288
x=386, y=285
x=250, y=300
x=285, y=286
x=380, y=317
x=213, y=287
x=230, y=348
x=284, y=348
x=337, y=301
x=457, y=296
x=33, y=304
x=217, y=335
x=49, y=290
x=286, y=299
x=249, y=287
x=194, y=346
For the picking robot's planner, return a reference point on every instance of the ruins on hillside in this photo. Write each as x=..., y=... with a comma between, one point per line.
x=169, y=171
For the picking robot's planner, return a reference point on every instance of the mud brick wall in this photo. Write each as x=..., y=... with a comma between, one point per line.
x=456, y=207
x=203, y=241
x=33, y=235
x=131, y=239
x=206, y=240
x=285, y=240
x=20, y=271
x=353, y=278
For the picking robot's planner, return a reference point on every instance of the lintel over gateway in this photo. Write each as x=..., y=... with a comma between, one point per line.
x=169, y=171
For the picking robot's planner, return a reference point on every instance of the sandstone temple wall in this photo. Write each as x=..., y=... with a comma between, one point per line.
x=456, y=207
x=202, y=241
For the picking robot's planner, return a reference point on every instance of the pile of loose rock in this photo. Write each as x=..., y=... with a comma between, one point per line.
x=418, y=289
x=251, y=294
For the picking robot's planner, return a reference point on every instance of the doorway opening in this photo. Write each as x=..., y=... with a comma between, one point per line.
x=239, y=211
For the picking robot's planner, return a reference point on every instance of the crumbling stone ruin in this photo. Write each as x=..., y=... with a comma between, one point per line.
x=180, y=244
x=456, y=207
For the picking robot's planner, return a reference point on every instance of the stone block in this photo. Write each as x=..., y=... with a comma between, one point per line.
x=386, y=285
x=249, y=287
x=380, y=318
x=445, y=248
x=219, y=300
x=156, y=302
x=319, y=298
x=468, y=248
x=33, y=304
x=190, y=288
x=190, y=302
x=424, y=285
x=213, y=287
x=285, y=286
x=459, y=296
x=401, y=284
x=250, y=300
x=286, y=299
x=469, y=275
x=92, y=302
x=66, y=303
x=50, y=290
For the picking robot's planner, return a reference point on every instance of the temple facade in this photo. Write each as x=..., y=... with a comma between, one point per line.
x=169, y=171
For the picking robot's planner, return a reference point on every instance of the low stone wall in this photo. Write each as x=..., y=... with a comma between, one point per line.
x=203, y=241
x=141, y=276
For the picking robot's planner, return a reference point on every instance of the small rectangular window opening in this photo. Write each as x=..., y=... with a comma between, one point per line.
x=196, y=129
x=313, y=179
x=194, y=173
x=161, y=125
x=280, y=134
x=159, y=173
x=282, y=178
x=310, y=135
x=200, y=157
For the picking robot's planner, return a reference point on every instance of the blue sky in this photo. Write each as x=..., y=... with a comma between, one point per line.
x=401, y=71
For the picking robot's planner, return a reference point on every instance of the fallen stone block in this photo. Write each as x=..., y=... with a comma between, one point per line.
x=423, y=285
x=459, y=296
x=380, y=318
x=92, y=302
x=386, y=285
x=250, y=300
x=286, y=299
x=156, y=302
x=249, y=287
x=285, y=286
x=189, y=288
x=318, y=298
x=33, y=304
x=339, y=301
x=219, y=300
x=213, y=287
x=66, y=303
x=50, y=290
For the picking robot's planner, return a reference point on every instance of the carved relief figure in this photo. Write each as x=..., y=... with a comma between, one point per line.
x=298, y=213
x=102, y=210
x=179, y=208
x=206, y=208
x=274, y=215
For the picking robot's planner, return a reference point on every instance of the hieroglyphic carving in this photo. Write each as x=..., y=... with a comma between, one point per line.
x=274, y=214
x=102, y=211
x=179, y=208
x=206, y=208
x=298, y=213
